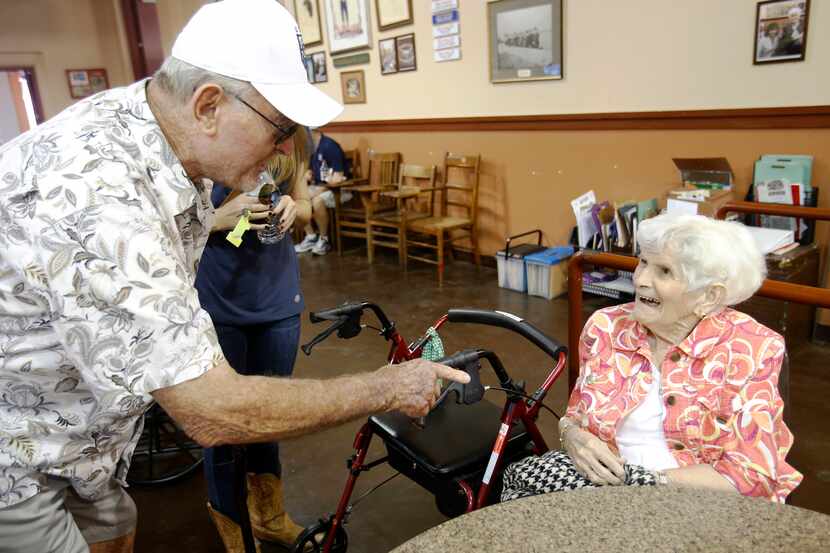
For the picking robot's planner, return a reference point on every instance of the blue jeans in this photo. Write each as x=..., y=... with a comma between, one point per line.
x=267, y=349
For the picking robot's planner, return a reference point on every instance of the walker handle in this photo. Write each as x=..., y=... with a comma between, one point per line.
x=510, y=322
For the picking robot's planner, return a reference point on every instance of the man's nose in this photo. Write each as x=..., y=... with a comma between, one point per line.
x=286, y=147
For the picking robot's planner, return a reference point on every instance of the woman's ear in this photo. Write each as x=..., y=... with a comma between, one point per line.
x=713, y=297
x=206, y=100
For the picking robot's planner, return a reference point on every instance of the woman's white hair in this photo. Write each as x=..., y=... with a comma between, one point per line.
x=708, y=251
x=180, y=79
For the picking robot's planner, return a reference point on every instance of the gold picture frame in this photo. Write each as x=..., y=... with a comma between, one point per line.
x=307, y=13
x=393, y=13
x=353, y=86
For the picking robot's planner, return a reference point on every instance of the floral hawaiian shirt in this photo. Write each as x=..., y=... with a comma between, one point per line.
x=100, y=235
x=719, y=386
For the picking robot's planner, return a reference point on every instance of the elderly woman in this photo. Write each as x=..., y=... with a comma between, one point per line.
x=676, y=388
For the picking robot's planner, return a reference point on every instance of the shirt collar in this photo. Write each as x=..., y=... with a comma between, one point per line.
x=630, y=335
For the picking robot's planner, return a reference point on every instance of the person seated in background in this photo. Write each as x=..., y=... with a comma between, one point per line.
x=328, y=165
x=676, y=388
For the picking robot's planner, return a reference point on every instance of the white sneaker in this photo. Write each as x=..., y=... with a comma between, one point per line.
x=307, y=244
x=322, y=247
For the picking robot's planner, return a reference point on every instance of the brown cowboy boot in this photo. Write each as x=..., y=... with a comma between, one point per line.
x=266, y=508
x=229, y=531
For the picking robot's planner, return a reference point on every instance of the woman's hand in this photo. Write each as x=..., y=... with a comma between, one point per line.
x=286, y=210
x=227, y=215
x=593, y=458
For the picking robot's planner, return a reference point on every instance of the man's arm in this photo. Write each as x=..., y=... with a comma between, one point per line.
x=223, y=407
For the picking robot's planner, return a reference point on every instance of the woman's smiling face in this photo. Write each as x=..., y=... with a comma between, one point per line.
x=662, y=295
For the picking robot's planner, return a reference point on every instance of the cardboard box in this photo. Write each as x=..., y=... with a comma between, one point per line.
x=693, y=201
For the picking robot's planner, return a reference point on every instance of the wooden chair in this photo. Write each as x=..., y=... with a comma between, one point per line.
x=388, y=229
x=382, y=175
x=459, y=191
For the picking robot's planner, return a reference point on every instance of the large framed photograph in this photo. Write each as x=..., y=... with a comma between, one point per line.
x=405, y=48
x=781, y=31
x=321, y=74
x=393, y=13
x=353, y=84
x=307, y=13
x=347, y=23
x=388, y=56
x=525, y=39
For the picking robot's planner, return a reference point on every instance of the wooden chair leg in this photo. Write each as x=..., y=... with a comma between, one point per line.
x=370, y=246
x=336, y=225
x=440, y=259
x=402, y=246
x=476, y=254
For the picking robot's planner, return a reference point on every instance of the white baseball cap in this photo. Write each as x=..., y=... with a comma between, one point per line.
x=256, y=41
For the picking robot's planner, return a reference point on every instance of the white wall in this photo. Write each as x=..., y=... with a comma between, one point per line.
x=9, y=127
x=632, y=55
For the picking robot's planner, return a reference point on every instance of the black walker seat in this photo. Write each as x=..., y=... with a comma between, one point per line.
x=455, y=442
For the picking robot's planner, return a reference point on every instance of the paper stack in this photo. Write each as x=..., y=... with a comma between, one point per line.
x=771, y=239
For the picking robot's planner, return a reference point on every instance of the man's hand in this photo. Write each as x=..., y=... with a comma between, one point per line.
x=413, y=385
x=229, y=213
x=286, y=210
x=593, y=458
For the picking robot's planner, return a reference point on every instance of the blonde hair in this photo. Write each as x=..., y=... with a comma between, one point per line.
x=293, y=166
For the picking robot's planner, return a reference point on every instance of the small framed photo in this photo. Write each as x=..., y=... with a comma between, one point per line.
x=309, y=68
x=86, y=82
x=393, y=13
x=781, y=31
x=321, y=74
x=388, y=56
x=307, y=13
x=348, y=25
x=405, y=48
x=353, y=84
x=525, y=40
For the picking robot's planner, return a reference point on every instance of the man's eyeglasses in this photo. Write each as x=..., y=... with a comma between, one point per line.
x=283, y=134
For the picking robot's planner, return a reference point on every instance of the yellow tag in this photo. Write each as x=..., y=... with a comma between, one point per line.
x=235, y=236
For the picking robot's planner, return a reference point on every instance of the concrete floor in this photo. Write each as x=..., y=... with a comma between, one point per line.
x=173, y=518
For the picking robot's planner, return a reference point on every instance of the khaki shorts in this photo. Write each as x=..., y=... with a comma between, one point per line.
x=57, y=520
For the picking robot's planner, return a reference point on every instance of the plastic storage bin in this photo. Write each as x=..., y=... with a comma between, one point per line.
x=547, y=272
x=511, y=262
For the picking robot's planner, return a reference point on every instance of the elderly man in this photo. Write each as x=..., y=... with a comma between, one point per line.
x=104, y=212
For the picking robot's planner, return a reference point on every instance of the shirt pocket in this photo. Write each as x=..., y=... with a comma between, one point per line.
x=717, y=418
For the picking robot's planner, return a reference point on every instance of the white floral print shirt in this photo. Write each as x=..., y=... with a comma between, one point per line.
x=100, y=235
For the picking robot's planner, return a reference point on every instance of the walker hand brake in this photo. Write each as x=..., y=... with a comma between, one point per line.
x=469, y=362
x=338, y=324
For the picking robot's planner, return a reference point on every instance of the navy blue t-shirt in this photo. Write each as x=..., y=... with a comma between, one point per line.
x=331, y=151
x=254, y=283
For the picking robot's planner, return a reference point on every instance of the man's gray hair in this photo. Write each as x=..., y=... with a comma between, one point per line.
x=708, y=251
x=180, y=79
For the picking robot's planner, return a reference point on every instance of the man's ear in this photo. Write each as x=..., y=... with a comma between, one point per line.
x=206, y=101
x=713, y=297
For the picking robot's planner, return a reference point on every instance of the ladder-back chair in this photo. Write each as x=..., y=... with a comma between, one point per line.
x=388, y=229
x=457, y=217
x=382, y=174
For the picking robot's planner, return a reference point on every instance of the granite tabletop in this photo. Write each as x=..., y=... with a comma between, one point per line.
x=612, y=519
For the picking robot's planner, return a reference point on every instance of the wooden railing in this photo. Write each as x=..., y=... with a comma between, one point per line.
x=784, y=291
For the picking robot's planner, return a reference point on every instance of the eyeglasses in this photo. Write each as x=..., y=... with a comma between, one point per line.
x=283, y=133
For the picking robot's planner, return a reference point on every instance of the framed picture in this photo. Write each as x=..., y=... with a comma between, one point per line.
x=307, y=13
x=86, y=82
x=781, y=31
x=309, y=68
x=405, y=48
x=393, y=13
x=321, y=75
x=347, y=22
x=525, y=38
x=353, y=84
x=388, y=56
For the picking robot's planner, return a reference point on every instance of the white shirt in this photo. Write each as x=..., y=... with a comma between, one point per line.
x=640, y=437
x=100, y=235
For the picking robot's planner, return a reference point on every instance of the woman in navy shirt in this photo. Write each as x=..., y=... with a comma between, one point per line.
x=253, y=295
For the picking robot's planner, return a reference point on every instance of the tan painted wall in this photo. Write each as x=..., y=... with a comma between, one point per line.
x=529, y=178
x=55, y=35
x=636, y=55
x=173, y=15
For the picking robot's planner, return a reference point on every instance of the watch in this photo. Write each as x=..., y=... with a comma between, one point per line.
x=661, y=478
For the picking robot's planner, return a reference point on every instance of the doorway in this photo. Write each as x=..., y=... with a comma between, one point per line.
x=20, y=105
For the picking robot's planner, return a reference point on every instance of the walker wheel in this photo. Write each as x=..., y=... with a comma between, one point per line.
x=313, y=538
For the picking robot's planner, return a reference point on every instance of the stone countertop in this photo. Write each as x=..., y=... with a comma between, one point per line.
x=612, y=519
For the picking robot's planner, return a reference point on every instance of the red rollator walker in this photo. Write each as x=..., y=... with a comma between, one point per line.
x=458, y=451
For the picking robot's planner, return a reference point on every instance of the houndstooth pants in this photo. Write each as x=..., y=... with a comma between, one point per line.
x=555, y=472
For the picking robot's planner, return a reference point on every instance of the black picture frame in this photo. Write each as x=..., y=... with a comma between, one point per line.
x=321, y=73
x=405, y=53
x=781, y=31
x=388, y=56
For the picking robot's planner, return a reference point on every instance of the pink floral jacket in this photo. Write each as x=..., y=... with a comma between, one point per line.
x=720, y=388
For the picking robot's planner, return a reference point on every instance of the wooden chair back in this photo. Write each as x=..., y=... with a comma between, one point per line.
x=423, y=177
x=383, y=168
x=353, y=162
x=460, y=184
